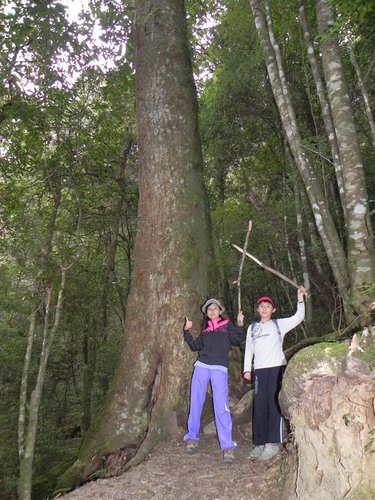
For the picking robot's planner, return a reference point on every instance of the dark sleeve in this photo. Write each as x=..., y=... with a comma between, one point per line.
x=236, y=335
x=194, y=344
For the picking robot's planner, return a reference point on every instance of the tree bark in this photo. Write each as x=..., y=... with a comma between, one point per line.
x=26, y=463
x=173, y=251
x=323, y=218
x=328, y=396
x=302, y=246
x=360, y=241
x=25, y=384
x=323, y=100
x=28, y=416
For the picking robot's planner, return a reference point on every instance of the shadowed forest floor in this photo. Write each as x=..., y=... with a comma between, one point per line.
x=170, y=473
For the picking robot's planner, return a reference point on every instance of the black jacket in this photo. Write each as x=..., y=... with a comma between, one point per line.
x=214, y=345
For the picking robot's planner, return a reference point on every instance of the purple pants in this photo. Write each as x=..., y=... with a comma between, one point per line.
x=223, y=420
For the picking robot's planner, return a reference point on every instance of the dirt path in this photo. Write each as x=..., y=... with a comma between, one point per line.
x=170, y=473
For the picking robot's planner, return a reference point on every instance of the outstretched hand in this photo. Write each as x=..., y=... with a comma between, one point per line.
x=188, y=324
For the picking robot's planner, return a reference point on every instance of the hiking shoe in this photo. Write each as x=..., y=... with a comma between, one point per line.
x=257, y=451
x=270, y=450
x=228, y=456
x=191, y=446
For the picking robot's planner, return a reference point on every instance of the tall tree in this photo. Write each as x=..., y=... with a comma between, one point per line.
x=172, y=251
x=355, y=266
x=28, y=443
x=360, y=241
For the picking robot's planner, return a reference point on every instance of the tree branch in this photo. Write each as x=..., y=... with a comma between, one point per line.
x=241, y=266
x=261, y=264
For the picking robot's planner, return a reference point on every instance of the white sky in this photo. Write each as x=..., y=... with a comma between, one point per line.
x=75, y=7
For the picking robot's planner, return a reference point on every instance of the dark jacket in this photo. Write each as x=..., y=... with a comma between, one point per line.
x=214, y=345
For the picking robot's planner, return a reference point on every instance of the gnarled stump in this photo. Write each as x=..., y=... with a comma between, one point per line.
x=328, y=395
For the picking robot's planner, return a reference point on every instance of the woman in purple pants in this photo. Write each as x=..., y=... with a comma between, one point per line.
x=213, y=344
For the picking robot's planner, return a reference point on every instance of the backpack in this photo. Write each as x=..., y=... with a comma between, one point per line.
x=274, y=321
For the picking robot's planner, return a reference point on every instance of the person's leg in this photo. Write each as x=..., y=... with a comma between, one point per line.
x=223, y=420
x=275, y=418
x=260, y=407
x=198, y=389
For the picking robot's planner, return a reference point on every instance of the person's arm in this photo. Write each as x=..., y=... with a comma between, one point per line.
x=287, y=324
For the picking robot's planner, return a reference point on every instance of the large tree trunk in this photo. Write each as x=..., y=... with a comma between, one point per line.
x=328, y=396
x=149, y=399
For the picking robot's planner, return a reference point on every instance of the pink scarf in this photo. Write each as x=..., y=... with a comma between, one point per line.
x=215, y=323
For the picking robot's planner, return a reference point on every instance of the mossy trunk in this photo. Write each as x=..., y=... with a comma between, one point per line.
x=173, y=251
x=328, y=395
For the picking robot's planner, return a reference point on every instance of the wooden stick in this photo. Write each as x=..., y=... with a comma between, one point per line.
x=241, y=265
x=277, y=273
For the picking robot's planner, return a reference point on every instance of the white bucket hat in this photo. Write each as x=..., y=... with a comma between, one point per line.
x=209, y=302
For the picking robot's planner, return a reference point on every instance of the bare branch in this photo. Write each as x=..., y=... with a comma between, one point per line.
x=241, y=265
x=261, y=264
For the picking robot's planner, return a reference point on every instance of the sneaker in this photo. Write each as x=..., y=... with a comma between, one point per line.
x=191, y=446
x=257, y=451
x=270, y=450
x=228, y=456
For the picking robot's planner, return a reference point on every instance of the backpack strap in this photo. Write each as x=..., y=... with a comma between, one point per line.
x=252, y=329
x=277, y=326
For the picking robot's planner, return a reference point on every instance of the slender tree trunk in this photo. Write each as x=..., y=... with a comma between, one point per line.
x=28, y=416
x=173, y=250
x=26, y=465
x=323, y=218
x=89, y=362
x=324, y=104
x=302, y=246
x=96, y=331
x=109, y=275
x=24, y=386
x=360, y=242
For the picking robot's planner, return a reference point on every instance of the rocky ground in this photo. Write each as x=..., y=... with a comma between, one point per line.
x=170, y=473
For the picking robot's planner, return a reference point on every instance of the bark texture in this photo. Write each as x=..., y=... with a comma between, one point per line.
x=328, y=395
x=360, y=242
x=323, y=100
x=149, y=397
x=323, y=218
